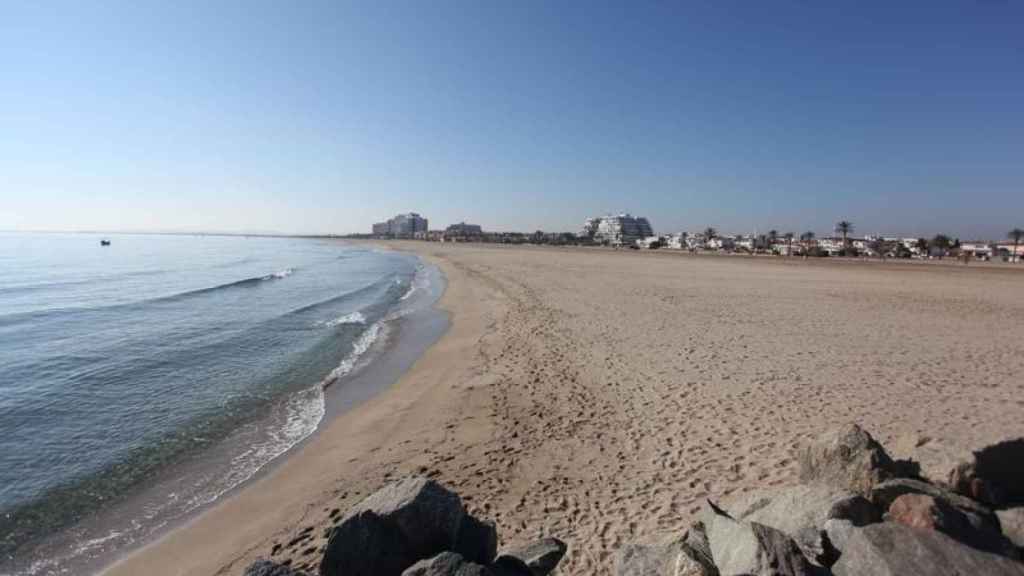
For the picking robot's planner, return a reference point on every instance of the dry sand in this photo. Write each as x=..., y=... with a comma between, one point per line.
x=599, y=396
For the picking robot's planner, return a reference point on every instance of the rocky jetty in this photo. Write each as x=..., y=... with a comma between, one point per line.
x=416, y=527
x=859, y=511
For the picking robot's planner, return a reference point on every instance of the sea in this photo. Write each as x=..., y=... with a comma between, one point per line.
x=142, y=380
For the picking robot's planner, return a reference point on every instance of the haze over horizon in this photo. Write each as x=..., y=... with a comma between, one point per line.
x=323, y=118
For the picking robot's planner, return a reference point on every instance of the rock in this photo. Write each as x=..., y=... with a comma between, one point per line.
x=801, y=512
x=1012, y=523
x=858, y=510
x=890, y=549
x=268, y=568
x=508, y=566
x=445, y=564
x=752, y=549
x=677, y=558
x=884, y=494
x=699, y=548
x=838, y=532
x=390, y=530
x=476, y=540
x=541, y=556
x=847, y=458
x=927, y=512
x=923, y=511
x=993, y=475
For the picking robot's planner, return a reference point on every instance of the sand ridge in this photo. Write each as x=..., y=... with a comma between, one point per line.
x=600, y=396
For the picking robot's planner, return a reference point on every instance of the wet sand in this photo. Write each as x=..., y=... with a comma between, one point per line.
x=600, y=396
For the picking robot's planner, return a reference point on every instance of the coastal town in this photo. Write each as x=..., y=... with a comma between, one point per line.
x=635, y=232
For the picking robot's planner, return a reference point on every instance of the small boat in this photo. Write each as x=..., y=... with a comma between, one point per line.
x=104, y=242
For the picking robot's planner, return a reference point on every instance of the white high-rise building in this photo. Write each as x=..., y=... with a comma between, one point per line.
x=402, y=226
x=621, y=230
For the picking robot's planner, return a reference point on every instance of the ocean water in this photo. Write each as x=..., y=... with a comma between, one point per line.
x=169, y=366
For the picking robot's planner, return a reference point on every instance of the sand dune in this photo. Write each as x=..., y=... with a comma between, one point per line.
x=599, y=396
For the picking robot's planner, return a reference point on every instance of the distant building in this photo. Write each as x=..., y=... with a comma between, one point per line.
x=463, y=229
x=621, y=230
x=720, y=243
x=402, y=226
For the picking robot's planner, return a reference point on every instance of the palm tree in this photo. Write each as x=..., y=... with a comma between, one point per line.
x=845, y=228
x=773, y=236
x=710, y=233
x=942, y=243
x=922, y=246
x=789, y=243
x=1016, y=234
x=806, y=238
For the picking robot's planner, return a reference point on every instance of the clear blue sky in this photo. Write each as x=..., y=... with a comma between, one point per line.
x=307, y=117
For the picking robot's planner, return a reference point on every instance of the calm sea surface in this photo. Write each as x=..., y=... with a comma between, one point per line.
x=120, y=363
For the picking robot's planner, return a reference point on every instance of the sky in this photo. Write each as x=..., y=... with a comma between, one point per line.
x=322, y=117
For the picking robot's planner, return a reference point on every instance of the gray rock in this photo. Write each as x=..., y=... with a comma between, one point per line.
x=268, y=568
x=980, y=517
x=366, y=545
x=752, y=549
x=541, y=556
x=847, y=458
x=1012, y=523
x=673, y=559
x=698, y=548
x=858, y=510
x=801, y=512
x=406, y=521
x=889, y=549
x=993, y=474
x=476, y=540
x=509, y=566
x=446, y=564
x=838, y=532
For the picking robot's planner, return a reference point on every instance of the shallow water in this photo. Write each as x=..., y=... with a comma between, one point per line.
x=187, y=353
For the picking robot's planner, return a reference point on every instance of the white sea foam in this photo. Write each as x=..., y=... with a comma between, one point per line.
x=350, y=318
x=361, y=345
x=279, y=275
x=290, y=423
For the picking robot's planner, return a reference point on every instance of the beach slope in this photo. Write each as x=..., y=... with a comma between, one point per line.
x=600, y=396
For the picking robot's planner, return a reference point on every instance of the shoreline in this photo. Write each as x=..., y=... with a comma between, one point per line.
x=355, y=404
x=102, y=539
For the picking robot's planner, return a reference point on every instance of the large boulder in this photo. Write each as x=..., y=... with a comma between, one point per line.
x=1012, y=523
x=540, y=556
x=268, y=568
x=390, y=530
x=889, y=549
x=847, y=458
x=927, y=512
x=752, y=549
x=476, y=540
x=993, y=474
x=801, y=512
x=838, y=532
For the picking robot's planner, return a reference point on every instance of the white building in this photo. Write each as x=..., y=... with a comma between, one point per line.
x=720, y=243
x=621, y=230
x=402, y=226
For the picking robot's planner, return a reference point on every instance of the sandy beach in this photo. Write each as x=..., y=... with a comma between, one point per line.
x=601, y=396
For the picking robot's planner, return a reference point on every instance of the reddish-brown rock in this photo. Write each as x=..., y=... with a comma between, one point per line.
x=923, y=511
x=926, y=512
